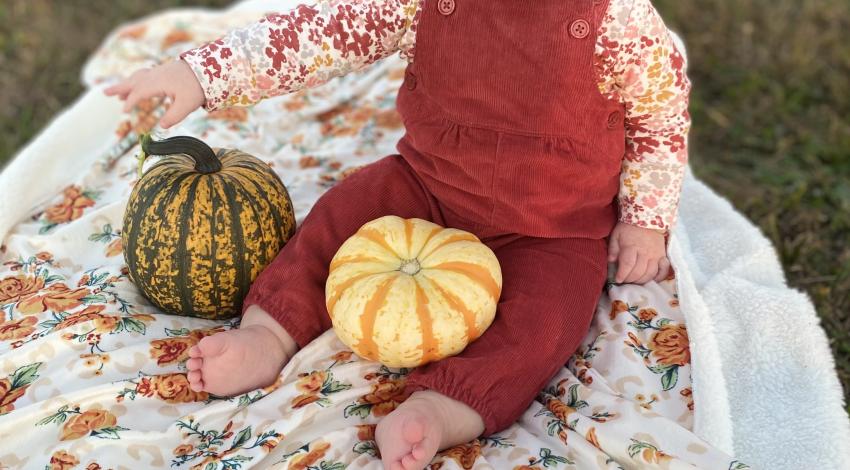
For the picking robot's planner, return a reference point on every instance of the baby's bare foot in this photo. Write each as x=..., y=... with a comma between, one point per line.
x=425, y=423
x=240, y=360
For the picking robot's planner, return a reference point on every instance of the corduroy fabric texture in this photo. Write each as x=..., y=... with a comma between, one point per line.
x=504, y=117
x=550, y=289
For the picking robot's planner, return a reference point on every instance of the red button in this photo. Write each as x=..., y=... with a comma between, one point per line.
x=446, y=7
x=614, y=119
x=579, y=29
x=410, y=81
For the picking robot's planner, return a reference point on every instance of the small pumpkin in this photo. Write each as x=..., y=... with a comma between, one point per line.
x=406, y=292
x=201, y=225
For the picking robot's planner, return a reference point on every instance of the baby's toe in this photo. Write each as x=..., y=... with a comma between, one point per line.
x=410, y=463
x=195, y=351
x=413, y=430
x=212, y=346
x=194, y=363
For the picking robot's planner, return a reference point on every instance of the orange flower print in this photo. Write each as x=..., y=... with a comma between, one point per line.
x=8, y=395
x=56, y=298
x=386, y=396
x=688, y=394
x=366, y=432
x=82, y=424
x=465, y=454
x=71, y=207
x=647, y=314
x=171, y=350
x=133, y=32
x=304, y=400
x=230, y=114
x=106, y=323
x=145, y=387
x=342, y=356
x=312, y=383
x=17, y=329
x=618, y=307
x=651, y=455
x=44, y=256
x=62, y=460
x=315, y=453
x=174, y=388
x=591, y=438
x=94, y=466
x=175, y=37
x=92, y=312
x=115, y=248
x=183, y=449
x=14, y=288
x=269, y=444
x=670, y=345
x=308, y=161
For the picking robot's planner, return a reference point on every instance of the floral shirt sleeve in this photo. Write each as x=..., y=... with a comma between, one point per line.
x=300, y=48
x=636, y=61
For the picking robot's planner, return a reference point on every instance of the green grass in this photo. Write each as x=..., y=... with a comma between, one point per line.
x=770, y=106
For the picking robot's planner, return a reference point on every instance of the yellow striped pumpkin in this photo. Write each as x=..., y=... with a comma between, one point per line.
x=200, y=225
x=406, y=292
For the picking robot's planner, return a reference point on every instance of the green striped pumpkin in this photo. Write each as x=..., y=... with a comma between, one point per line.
x=201, y=225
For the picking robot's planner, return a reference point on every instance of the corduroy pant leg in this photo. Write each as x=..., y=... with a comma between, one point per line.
x=292, y=288
x=550, y=291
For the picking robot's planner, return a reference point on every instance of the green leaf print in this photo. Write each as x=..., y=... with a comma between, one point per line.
x=361, y=411
x=241, y=438
x=25, y=375
x=366, y=447
x=180, y=332
x=108, y=433
x=332, y=465
x=669, y=379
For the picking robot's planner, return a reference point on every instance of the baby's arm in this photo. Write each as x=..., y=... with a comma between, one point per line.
x=281, y=53
x=651, y=79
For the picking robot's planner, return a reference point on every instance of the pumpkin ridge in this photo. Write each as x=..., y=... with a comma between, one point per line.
x=181, y=252
x=214, y=277
x=261, y=239
x=149, y=237
x=379, y=239
x=132, y=224
x=235, y=207
x=408, y=234
x=460, y=237
x=431, y=235
x=262, y=195
x=477, y=273
x=458, y=306
x=353, y=259
x=429, y=346
x=367, y=320
x=341, y=288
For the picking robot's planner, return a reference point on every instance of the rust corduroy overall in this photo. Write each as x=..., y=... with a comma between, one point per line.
x=508, y=137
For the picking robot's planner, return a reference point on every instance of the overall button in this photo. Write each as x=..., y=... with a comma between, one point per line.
x=614, y=119
x=579, y=29
x=410, y=81
x=446, y=7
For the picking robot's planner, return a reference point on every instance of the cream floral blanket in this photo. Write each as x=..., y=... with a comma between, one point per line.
x=92, y=376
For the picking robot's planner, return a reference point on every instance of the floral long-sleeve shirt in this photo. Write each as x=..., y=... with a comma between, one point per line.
x=635, y=59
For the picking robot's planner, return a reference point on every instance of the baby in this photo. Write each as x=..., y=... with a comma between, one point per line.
x=553, y=130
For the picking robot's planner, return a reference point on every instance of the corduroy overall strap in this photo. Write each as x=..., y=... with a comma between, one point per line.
x=511, y=65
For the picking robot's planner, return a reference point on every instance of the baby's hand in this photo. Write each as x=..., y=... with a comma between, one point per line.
x=640, y=254
x=174, y=79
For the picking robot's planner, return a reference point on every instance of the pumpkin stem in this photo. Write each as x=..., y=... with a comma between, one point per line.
x=205, y=159
x=142, y=155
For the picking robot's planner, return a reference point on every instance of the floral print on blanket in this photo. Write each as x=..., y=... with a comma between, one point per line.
x=92, y=376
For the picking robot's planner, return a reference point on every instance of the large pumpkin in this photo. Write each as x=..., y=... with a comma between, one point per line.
x=201, y=225
x=406, y=292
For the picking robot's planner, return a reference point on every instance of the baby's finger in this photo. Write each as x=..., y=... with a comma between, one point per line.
x=663, y=269
x=651, y=271
x=626, y=263
x=637, y=272
x=139, y=93
x=121, y=88
x=613, y=249
x=176, y=113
